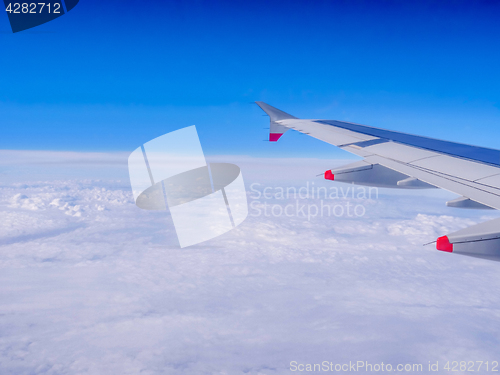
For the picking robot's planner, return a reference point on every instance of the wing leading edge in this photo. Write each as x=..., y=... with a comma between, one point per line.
x=401, y=160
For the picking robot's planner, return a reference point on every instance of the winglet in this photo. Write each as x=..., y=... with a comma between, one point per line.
x=276, y=130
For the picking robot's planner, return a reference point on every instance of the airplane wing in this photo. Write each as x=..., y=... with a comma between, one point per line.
x=401, y=160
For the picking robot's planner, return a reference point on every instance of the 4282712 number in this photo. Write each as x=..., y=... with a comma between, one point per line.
x=471, y=366
x=33, y=8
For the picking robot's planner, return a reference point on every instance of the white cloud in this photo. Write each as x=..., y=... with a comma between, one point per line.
x=90, y=284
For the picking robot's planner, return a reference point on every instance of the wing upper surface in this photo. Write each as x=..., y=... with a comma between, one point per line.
x=473, y=172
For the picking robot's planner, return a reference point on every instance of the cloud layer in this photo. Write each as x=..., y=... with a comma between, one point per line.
x=90, y=284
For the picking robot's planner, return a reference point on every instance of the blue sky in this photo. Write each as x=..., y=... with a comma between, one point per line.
x=109, y=76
